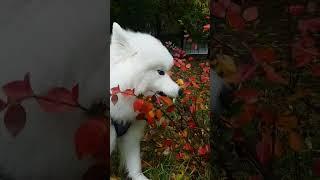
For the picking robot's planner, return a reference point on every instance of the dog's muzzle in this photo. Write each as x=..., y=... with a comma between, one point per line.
x=180, y=93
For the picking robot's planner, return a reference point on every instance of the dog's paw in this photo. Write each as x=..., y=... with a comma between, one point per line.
x=139, y=176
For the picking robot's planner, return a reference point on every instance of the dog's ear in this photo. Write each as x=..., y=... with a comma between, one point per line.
x=120, y=42
x=119, y=35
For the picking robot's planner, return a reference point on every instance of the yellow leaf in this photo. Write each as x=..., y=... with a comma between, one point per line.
x=226, y=65
x=180, y=82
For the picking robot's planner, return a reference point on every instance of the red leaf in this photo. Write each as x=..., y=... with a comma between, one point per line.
x=166, y=100
x=218, y=9
x=187, y=147
x=18, y=90
x=147, y=107
x=114, y=99
x=248, y=95
x=58, y=99
x=316, y=167
x=296, y=10
x=115, y=90
x=271, y=75
x=180, y=155
x=316, y=70
x=187, y=92
x=250, y=13
x=190, y=58
x=263, y=150
x=90, y=137
x=137, y=105
x=75, y=92
x=128, y=92
x=236, y=21
x=203, y=150
x=191, y=124
x=170, y=109
x=206, y=27
x=263, y=55
x=167, y=143
x=192, y=108
x=3, y=105
x=15, y=119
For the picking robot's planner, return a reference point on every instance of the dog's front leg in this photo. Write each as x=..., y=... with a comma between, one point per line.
x=129, y=146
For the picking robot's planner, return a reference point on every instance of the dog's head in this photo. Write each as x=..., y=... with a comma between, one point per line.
x=145, y=60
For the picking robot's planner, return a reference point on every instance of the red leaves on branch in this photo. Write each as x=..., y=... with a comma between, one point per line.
x=18, y=90
x=91, y=138
x=15, y=119
x=115, y=90
x=59, y=99
x=128, y=92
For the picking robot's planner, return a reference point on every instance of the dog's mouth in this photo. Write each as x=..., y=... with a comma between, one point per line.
x=161, y=93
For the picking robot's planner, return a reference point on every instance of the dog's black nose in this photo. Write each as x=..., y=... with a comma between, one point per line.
x=180, y=92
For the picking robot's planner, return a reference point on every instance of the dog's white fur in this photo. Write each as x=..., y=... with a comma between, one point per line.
x=135, y=59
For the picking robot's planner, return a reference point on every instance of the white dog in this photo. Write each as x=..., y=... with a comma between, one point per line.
x=137, y=61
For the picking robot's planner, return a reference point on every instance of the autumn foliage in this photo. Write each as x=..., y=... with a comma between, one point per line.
x=273, y=69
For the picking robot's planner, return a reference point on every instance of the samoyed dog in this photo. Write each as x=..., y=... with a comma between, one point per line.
x=137, y=61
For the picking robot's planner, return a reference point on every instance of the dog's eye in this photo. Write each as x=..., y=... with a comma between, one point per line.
x=161, y=72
